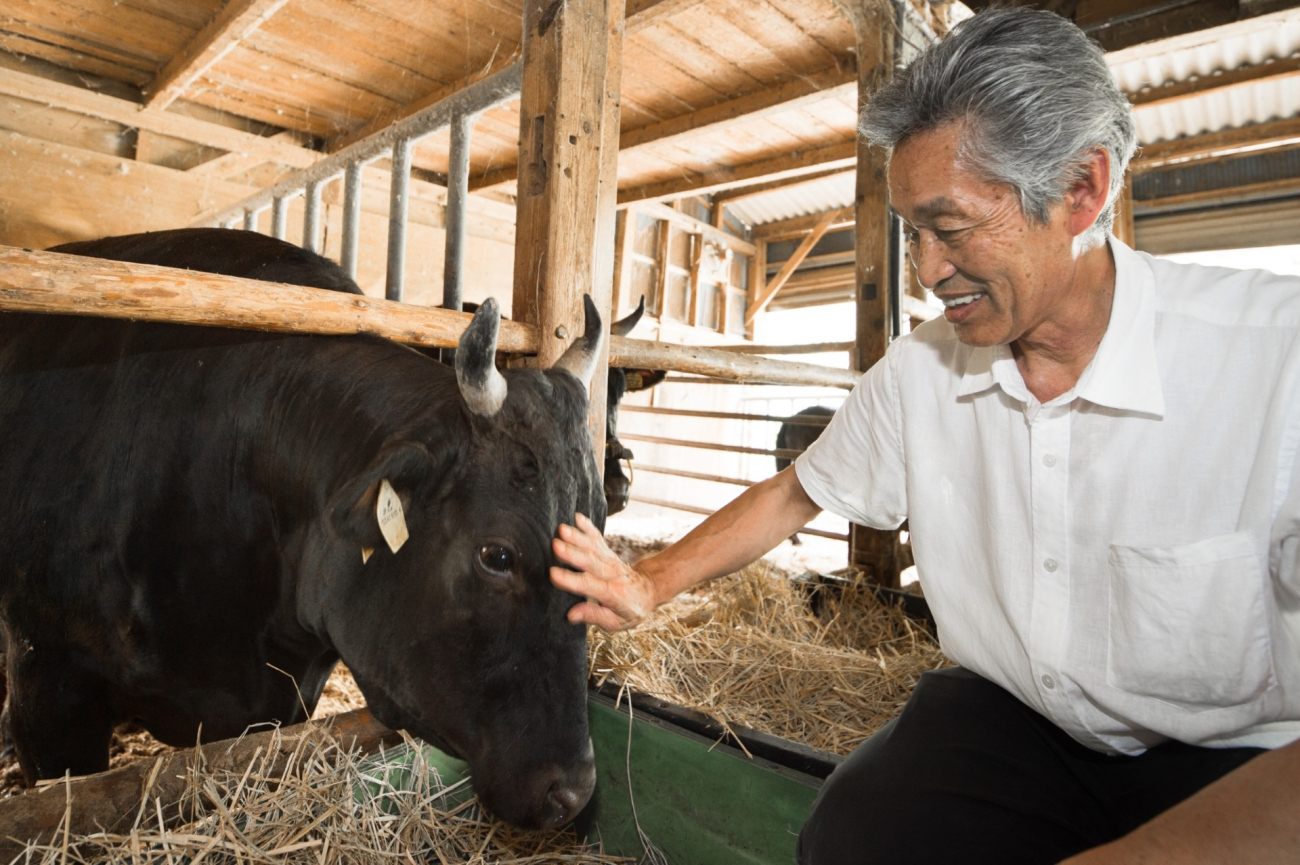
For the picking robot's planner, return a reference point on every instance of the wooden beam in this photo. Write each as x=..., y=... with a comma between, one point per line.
x=806, y=348
x=234, y=23
x=1270, y=70
x=725, y=365
x=774, y=284
x=1225, y=197
x=624, y=247
x=52, y=282
x=564, y=169
x=91, y=104
x=1123, y=225
x=1256, y=136
x=795, y=164
x=789, y=229
x=695, y=226
x=236, y=163
x=110, y=800
x=647, y=13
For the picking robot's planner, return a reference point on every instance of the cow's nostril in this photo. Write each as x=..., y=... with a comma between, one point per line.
x=566, y=798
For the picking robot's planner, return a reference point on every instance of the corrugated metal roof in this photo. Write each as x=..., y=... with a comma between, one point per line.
x=1203, y=54
x=1153, y=64
x=817, y=196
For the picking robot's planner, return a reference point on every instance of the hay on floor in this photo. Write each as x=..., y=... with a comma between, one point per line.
x=324, y=805
x=748, y=651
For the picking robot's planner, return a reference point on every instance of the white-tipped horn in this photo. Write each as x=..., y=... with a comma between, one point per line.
x=481, y=384
x=582, y=357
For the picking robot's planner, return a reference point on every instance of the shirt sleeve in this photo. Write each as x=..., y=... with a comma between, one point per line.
x=856, y=469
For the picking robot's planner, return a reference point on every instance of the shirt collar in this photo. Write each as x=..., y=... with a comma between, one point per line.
x=1123, y=375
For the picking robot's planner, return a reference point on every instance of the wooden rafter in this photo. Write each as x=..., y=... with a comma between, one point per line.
x=236, y=20
x=696, y=226
x=788, y=268
x=796, y=164
x=1273, y=70
x=82, y=101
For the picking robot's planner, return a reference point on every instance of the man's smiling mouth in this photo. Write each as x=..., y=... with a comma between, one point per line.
x=963, y=300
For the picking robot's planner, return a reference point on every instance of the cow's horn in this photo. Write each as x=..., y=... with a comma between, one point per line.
x=481, y=384
x=584, y=354
x=624, y=326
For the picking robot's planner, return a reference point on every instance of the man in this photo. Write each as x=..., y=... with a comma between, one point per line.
x=1097, y=453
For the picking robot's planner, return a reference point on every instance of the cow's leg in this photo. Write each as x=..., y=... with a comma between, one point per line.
x=58, y=716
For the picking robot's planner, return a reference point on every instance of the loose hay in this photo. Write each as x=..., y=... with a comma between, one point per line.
x=748, y=651
x=322, y=805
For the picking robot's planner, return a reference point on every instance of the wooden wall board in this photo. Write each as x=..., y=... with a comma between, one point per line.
x=34, y=120
x=51, y=193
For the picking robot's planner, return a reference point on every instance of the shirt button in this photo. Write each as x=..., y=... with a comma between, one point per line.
x=1050, y=565
x=1049, y=460
x=1048, y=682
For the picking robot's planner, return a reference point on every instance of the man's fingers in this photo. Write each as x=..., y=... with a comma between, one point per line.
x=602, y=617
x=579, y=583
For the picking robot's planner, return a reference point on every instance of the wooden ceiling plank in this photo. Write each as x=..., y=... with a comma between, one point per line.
x=794, y=164
x=69, y=58
x=696, y=57
x=82, y=101
x=237, y=19
x=644, y=14
x=101, y=27
x=1256, y=135
x=821, y=23
x=759, y=103
x=774, y=284
x=764, y=62
x=1273, y=70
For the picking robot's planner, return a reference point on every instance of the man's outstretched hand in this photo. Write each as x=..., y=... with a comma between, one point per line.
x=618, y=596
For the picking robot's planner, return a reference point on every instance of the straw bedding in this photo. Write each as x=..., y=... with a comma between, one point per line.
x=749, y=651
x=322, y=805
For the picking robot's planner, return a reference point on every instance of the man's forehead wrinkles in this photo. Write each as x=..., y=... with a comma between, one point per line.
x=940, y=206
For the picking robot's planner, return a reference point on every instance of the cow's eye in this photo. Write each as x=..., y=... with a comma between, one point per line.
x=496, y=560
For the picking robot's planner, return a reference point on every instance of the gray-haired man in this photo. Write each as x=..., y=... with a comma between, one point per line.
x=1098, y=454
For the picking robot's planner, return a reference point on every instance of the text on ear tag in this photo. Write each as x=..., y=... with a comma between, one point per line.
x=392, y=522
x=366, y=553
x=634, y=381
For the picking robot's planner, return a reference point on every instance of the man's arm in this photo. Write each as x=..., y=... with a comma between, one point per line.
x=1249, y=815
x=619, y=596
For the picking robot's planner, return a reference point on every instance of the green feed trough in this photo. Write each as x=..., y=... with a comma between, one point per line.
x=698, y=801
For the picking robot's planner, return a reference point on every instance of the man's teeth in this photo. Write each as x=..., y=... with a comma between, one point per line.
x=962, y=301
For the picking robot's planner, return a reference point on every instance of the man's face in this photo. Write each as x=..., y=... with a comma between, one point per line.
x=998, y=275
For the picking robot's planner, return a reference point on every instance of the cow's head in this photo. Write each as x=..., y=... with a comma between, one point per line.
x=622, y=381
x=460, y=637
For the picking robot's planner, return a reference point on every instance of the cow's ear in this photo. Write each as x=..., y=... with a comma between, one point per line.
x=353, y=507
x=641, y=379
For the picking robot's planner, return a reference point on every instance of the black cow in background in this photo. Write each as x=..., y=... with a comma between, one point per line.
x=220, y=250
x=190, y=510
x=797, y=437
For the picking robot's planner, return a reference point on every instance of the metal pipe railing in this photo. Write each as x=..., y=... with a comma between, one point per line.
x=351, y=218
x=398, y=208
x=453, y=269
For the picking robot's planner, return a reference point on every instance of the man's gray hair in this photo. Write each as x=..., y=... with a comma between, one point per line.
x=1036, y=98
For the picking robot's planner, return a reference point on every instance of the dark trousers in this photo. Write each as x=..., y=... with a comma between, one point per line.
x=969, y=774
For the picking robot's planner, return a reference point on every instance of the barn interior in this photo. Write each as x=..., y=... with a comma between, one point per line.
x=709, y=161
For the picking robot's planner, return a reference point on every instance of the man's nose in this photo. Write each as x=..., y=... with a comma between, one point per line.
x=930, y=258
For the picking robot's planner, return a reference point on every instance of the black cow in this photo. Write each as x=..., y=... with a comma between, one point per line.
x=256, y=256
x=190, y=511
x=797, y=437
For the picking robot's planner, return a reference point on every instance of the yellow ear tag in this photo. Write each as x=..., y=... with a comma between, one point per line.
x=392, y=522
x=366, y=553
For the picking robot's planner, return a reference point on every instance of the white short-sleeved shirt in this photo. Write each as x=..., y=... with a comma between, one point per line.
x=1126, y=557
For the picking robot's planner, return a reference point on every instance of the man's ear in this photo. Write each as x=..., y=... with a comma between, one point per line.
x=406, y=465
x=1087, y=197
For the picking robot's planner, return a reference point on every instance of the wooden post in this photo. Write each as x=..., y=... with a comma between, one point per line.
x=568, y=142
x=1123, y=227
x=624, y=246
x=872, y=550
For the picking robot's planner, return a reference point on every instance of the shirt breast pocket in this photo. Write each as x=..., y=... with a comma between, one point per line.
x=1189, y=624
